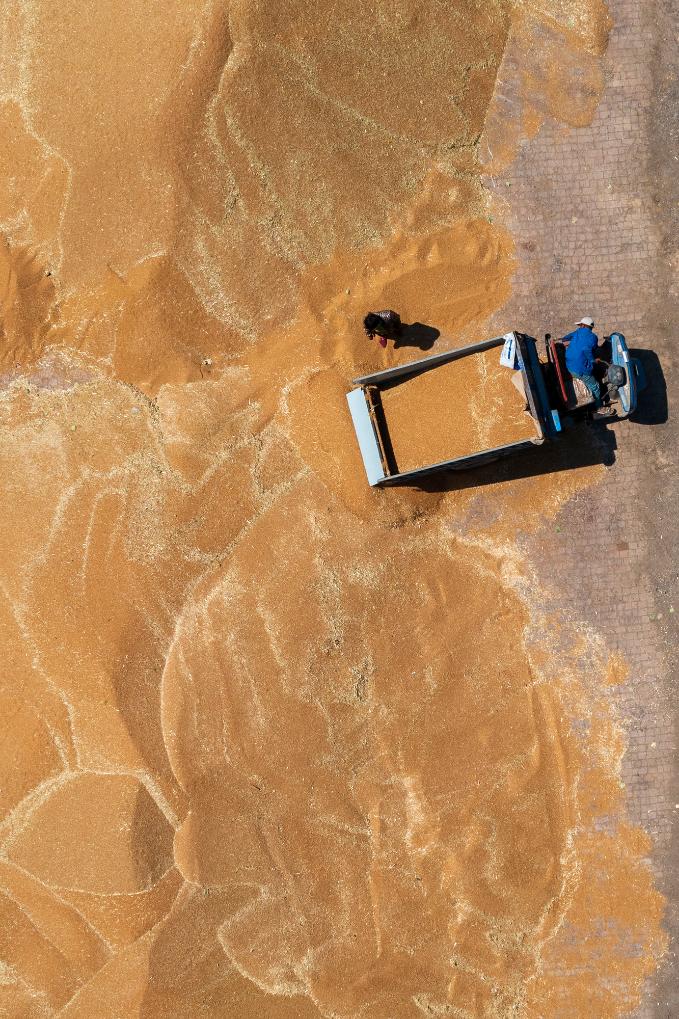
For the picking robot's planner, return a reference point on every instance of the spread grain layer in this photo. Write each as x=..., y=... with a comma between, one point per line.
x=456, y=409
x=276, y=744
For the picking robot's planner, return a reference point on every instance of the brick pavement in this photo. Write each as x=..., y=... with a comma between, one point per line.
x=586, y=214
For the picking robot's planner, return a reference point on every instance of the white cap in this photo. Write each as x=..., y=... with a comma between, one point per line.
x=586, y=321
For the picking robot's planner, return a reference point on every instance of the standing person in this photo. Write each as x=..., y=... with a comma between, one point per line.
x=581, y=346
x=385, y=324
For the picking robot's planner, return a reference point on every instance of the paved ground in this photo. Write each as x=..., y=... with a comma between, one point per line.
x=595, y=213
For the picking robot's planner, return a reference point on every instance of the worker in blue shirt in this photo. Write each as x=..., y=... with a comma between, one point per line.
x=580, y=355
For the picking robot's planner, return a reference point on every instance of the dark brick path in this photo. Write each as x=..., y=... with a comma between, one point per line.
x=592, y=211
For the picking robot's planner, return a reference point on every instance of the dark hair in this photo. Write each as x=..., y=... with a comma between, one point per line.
x=370, y=321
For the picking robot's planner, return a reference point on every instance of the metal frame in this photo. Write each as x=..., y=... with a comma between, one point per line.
x=368, y=436
x=536, y=391
x=621, y=356
x=424, y=364
x=365, y=412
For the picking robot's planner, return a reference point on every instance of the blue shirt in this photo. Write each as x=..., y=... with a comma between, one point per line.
x=580, y=351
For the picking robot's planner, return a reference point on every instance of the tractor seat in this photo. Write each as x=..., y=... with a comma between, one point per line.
x=573, y=392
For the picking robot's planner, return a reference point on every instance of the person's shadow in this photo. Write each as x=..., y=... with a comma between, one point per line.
x=417, y=335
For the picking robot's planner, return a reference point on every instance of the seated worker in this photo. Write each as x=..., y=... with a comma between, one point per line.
x=580, y=357
x=385, y=324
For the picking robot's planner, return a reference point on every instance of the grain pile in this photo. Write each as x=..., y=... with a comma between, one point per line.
x=267, y=748
x=456, y=409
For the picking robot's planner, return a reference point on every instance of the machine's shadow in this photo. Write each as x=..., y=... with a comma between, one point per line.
x=580, y=446
x=652, y=408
